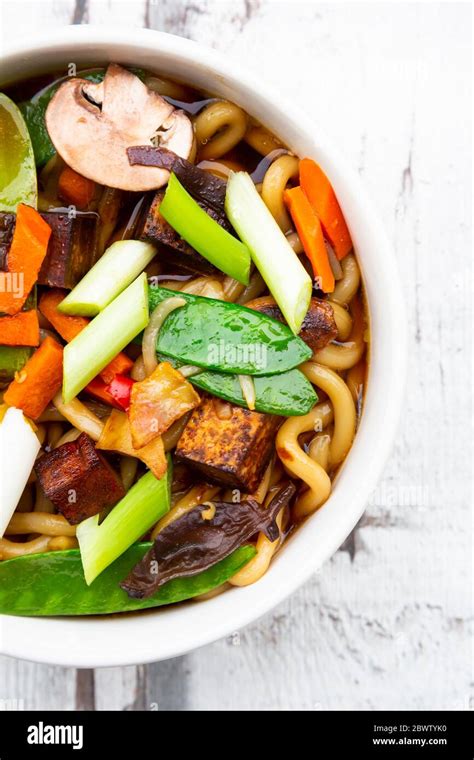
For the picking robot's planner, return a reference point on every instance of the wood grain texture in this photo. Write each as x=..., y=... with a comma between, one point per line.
x=387, y=623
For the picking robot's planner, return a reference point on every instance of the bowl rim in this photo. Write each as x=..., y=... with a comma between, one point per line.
x=170, y=632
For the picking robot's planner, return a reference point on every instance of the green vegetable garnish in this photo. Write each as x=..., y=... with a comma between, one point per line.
x=289, y=394
x=53, y=584
x=280, y=267
x=12, y=359
x=103, y=338
x=226, y=337
x=116, y=269
x=204, y=234
x=141, y=507
x=17, y=165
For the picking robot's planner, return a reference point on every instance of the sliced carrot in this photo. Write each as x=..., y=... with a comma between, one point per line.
x=20, y=330
x=121, y=365
x=311, y=235
x=323, y=200
x=75, y=189
x=68, y=327
x=27, y=251
x=39, y=380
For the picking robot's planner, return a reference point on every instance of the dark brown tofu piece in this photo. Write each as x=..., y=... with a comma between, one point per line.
x=78, y=480
x=233, y=451
x=7, y=227
x=72, y=248
x=172, y=248
x=319, y=326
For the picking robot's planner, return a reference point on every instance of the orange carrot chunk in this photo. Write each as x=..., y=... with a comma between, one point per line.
x=27, y=251
x=310, y=233
x=75, y=189
x=121, y=365
x=39, y=380
x=68, y=327
x=20, y=330
x=323, y=200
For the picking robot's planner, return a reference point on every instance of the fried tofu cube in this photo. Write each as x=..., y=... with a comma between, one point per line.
x=72, y=248
x=233, y=449
x=78, y=480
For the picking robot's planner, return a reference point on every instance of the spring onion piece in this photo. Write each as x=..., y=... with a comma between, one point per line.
x=204, y=234
x=19, y=447
x=53, y=583
x=17, y=163
x=286, y=277
x=247, y=387
x=122, y=262
x=103, y=338
x=141, y=507
x=152, y=329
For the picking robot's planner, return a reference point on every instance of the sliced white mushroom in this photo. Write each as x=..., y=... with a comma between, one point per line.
x=92, y=125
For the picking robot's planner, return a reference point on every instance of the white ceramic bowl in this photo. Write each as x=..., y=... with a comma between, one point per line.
x=168, y=632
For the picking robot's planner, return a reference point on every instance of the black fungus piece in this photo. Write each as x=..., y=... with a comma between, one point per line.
x=202, y=537
x=205, y=187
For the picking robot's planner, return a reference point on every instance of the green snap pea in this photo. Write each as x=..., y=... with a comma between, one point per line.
x=226, y=337
x=288, y=395
x=53, y=584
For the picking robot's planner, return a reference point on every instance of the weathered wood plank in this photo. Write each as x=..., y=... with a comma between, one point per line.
x=24, y=18
x=36, y=687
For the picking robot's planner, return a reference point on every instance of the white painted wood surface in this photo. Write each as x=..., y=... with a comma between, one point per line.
x=387, y=622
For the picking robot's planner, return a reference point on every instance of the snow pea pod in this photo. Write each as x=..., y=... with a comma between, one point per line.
x=288, y=395
x=53, y=583
x=226, y=337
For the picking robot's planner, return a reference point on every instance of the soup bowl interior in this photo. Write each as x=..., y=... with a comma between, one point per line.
x=167, y=632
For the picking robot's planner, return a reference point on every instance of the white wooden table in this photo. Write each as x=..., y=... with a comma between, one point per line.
x=386, y=623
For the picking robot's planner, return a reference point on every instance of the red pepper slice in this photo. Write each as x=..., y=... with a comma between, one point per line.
x=120, y=389
x=98, y=389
